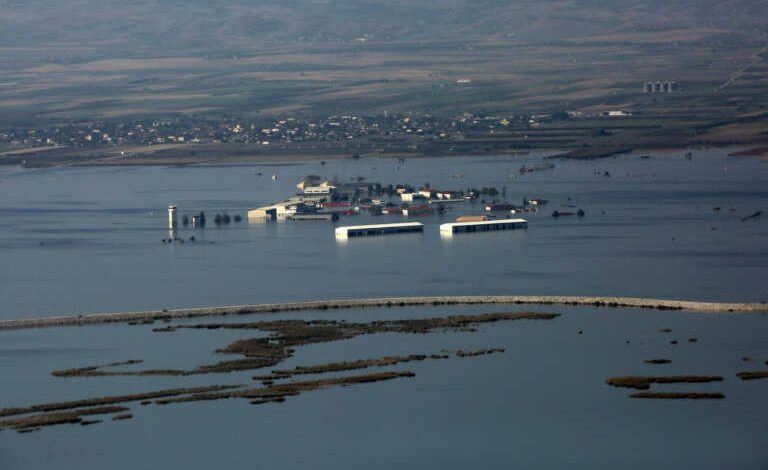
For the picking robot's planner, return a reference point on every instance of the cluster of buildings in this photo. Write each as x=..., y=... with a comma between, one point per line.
x=381, y=129
x=430, y=195
x=318, y=199
x=528, y=205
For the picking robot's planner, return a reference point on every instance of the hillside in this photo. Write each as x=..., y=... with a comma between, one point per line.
x=91, y=58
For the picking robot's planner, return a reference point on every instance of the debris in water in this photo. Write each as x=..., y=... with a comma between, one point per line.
x=753, y=216
x=644, y=383
x=657, y=361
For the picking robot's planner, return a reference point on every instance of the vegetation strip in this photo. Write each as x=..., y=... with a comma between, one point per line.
x=281, y=391
x=624, y=302
x=479, y=352
x=93, y=402
x=60, y=417
x=345, y=366
x=644, y=383
x=93, y=370
x=284, y=335
x=754, y=375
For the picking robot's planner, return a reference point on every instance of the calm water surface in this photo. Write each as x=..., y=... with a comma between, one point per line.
x=543, y=403
x=84, y=240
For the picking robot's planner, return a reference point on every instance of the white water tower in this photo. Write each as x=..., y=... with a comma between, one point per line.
x=172, y=222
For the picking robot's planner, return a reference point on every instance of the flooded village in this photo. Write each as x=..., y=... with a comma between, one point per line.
x=321, y=199
x=413, y=235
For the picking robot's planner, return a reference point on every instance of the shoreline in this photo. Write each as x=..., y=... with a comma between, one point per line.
x=212, y=157
x=214, y=311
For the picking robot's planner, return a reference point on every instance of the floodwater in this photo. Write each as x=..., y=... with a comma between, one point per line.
x=83, y=240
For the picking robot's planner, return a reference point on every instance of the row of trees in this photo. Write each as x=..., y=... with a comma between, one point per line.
x=199, y=220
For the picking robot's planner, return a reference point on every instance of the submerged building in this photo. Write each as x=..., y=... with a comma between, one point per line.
x=379, y=229
x=483, y=226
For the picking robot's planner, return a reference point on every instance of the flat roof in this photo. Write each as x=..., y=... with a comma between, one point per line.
x=366, y=227
x=482, y=222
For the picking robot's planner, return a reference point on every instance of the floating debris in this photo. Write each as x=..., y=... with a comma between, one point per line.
x=658, y=361
x=679, y=395
x=753, y=216
x=557, y=214
x=26, y=430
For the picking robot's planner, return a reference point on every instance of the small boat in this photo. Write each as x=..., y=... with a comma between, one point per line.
x=274, y=177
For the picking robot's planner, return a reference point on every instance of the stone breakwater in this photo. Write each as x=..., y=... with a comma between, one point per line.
x=170, y=314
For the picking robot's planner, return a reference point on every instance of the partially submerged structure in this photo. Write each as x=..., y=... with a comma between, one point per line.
x=483, y=226
x=378, y=229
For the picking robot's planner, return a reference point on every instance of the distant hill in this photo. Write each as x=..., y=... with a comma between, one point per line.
x=163, y=26
x=83, y=58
